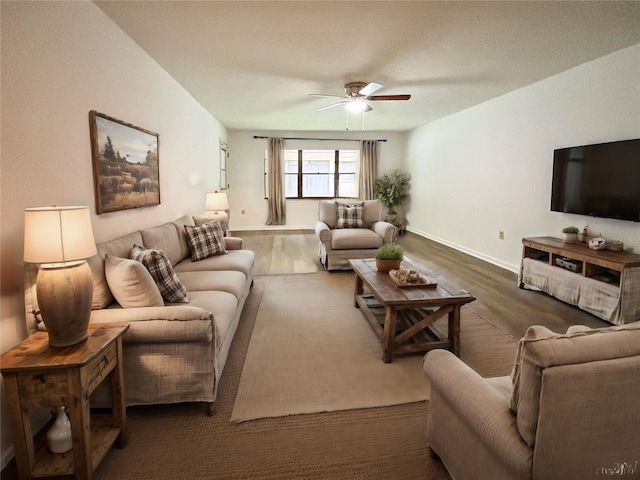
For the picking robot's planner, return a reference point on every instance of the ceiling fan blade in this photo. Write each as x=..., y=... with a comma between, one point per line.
x=370, y=88
x=368, y=108
x=389, y=97
x=325, y=96
x=332, y=105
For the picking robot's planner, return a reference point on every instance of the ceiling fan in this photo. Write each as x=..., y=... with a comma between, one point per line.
x=355, y=95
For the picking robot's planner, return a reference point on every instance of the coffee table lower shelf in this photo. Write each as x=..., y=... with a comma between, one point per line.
x=409, y=336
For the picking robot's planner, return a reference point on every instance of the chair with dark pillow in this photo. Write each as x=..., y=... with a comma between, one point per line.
x=351, y=229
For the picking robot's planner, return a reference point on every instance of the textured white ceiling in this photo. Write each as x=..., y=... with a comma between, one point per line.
x=253, y=64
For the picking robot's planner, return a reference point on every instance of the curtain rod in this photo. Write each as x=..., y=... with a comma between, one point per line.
x=332, y=139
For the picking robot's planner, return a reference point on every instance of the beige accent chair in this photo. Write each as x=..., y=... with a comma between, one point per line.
x=338, y=245
x=570, y=410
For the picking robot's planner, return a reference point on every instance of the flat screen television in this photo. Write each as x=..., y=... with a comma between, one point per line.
x=601, y=180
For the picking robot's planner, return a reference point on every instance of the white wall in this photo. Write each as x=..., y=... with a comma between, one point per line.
x=246, y=173
x=474, y=173
x=59, y=61
x=489, y=168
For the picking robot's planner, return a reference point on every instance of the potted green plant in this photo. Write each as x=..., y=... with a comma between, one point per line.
x=388, y=257
x=570, y=234
x=390, y=190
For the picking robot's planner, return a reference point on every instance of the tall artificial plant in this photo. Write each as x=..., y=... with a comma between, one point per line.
x=390, y=189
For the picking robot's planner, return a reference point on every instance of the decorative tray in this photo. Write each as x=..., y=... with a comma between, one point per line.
x=418, y=281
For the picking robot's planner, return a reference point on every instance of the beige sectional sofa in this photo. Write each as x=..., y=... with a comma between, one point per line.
x=175, y=352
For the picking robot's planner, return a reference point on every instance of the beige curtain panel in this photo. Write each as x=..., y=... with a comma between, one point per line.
x=368, y=169
x=275, y=160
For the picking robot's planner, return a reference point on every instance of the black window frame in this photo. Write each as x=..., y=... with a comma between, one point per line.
x=336, y=180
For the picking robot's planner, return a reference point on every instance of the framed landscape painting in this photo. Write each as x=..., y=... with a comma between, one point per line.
x=125, y=164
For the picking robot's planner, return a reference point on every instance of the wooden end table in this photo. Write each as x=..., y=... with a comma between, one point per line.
x=39, y=376
x=403, y=317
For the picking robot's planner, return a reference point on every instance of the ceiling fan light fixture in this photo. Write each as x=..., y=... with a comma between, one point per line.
x=356, y=105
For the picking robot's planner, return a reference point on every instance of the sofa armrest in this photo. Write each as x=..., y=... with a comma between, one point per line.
x=481, y=408
x=169, y=324
x=386, y=230
x=323, y=232
x=233, y=243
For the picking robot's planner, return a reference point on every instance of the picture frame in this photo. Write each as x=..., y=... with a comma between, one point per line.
x=126, y=169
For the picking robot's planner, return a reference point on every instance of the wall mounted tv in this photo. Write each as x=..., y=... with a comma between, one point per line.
x=601, y=180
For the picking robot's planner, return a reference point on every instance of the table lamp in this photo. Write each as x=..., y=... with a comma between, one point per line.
x=217, y=203
x=60, y=240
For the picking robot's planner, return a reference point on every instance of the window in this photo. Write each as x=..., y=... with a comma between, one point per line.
x=321, y=173
x=224, y=155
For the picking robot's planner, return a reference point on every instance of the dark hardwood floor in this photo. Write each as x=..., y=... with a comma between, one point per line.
x=498, y=297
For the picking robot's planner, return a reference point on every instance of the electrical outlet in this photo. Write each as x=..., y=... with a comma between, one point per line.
x=501, y=235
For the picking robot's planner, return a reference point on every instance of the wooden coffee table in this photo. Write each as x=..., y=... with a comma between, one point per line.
x=403, y=317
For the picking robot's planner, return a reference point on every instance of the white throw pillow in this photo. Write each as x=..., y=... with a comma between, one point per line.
x=131, y=283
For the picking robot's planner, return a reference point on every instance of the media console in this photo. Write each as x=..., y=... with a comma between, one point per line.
x=602, y=282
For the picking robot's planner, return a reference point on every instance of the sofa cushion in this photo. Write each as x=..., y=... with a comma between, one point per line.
x=327, y=212
x=131, y=283
x=224, y=306
x=579, y=350
x=162, y=272
x=238, y=260
x=350, y=215
x=533, y=333
x=165, y=238
x=372, y=211
x=205, y=240
x=354, y=238
x=182, y=235
x=102, y=296
x=222, y=281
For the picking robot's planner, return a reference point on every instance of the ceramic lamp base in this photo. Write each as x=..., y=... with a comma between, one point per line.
x=65, y=294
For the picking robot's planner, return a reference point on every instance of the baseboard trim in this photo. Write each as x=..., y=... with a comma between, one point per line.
x=499, y=263
x=495, y=261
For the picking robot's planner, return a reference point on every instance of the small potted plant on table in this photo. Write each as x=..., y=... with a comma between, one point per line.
x=570, y=234
x=389, y=257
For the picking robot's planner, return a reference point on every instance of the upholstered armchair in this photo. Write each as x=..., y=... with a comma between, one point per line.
x=569, y=411
x=350, y=229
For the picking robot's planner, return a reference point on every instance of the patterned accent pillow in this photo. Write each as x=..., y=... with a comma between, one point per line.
x=159, y=266
x=350, y=216
x=205, y=240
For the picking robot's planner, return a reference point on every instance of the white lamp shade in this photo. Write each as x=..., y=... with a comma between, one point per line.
x=57, y=234
x=216, y=201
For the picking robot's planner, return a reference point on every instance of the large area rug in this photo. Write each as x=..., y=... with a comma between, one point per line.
x=176, y=442
x=312, y=351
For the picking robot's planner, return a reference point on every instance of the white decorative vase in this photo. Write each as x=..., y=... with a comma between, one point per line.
x=59, y=435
